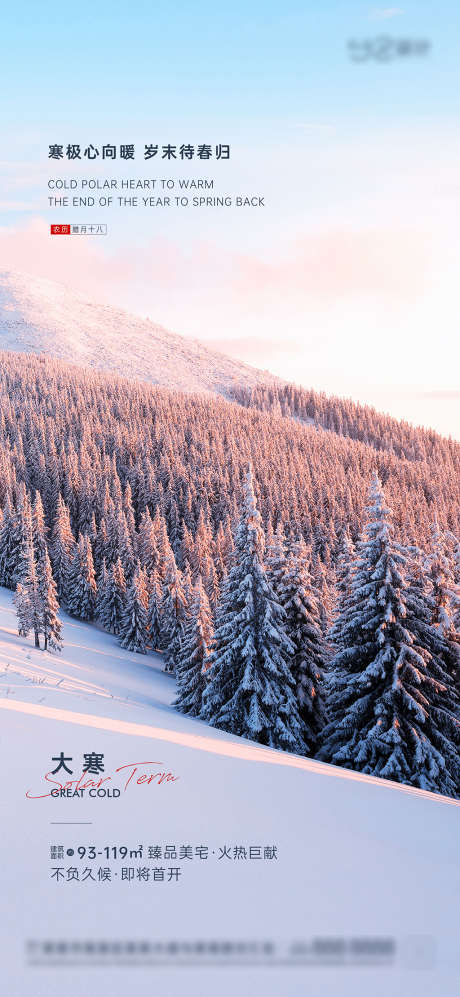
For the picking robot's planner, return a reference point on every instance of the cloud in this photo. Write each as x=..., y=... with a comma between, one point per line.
x=18, y=206
x=385, y=13
x=341, y=263
x=317, y=268
x=442, y=395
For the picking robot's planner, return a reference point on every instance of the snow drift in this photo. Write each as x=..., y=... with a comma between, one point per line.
x=357, y=857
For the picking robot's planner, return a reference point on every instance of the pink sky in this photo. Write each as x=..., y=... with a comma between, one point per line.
x=336, y=312
x=347, y=282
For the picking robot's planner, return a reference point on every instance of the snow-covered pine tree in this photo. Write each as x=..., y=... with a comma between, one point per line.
x=187, y=554
x=303, y=624
x=202, y=547
x=379, y=704
x=23, y=535
x=23, y=612
x=193, y=655
x=119, y=543
x=188, y=587
x=267, y=525
x=112, y=545
x=62, y=550
x=39, y=530
x=85, y=504
x=443, y=720
x=173, y=520
x=27, y=597
x=343, y=579
x=250, y=690
x=173, y=612
x=128, y=509
x=95, y=546
x=211, y=584
x=457, y=583
x=153, y=614
x=50, y=624
x=146, y=543
x=99, y=545
x=441, y=573
x=112, y=600
x=275, y=559
x=289, y=573
x=133, y=631
x=101, y=582
x=325, y=596
x=82, y=588
x=162, y=544
x=8, y=546
x=220, y=552
x=344, y=566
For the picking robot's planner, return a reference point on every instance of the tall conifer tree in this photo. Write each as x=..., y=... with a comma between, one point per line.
x=380, y=702
x=173, y=613
x=133, y=631
x=50, y=624
x=81, y=600
x=194, y=652
x=251, y=690
x=112, y=599
x=62, y=550
x=303, y=623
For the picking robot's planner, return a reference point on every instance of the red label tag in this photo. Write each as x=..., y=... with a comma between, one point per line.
x=60, y=229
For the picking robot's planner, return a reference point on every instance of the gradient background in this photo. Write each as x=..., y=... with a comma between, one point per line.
x=347, y=281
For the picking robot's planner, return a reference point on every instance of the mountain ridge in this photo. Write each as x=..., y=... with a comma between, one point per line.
x=38, y=315
x=41, y=316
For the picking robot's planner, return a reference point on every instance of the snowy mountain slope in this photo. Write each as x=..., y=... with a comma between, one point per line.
x=357, y=857
x=41, y=316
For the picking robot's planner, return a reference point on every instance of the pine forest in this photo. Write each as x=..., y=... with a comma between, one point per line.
x=294, y=558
